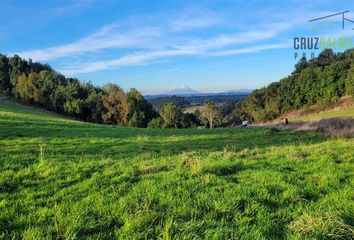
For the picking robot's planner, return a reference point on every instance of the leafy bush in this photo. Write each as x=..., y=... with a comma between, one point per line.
x=155, y=123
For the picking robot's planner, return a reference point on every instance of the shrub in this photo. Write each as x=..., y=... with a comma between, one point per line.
x=155, y=123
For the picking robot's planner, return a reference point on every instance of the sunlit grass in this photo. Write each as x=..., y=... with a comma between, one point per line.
x=107, y=182
x=340, y=113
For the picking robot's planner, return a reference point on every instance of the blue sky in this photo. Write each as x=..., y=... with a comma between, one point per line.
x=156, y=46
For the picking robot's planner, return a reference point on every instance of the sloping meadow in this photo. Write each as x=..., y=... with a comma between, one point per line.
x=107, y=182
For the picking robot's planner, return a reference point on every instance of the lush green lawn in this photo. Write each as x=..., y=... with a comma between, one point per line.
x=341, y=113
x=105, y=182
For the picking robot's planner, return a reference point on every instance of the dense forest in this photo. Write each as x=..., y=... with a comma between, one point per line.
x=320, y=81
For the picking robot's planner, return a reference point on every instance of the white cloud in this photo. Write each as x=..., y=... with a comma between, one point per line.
x=252, y=49
x=128, y=60
x=199, y=47
x=233, y=39
x=145, y=44
x=107, y=37
x=193, y=19
x=146, y=57
x=146, y=35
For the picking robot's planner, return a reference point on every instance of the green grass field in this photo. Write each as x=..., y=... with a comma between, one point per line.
x=107, y=182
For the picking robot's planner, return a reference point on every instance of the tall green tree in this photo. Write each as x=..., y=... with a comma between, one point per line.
x=171, y=115
x=301, y=65
x=32, y=87
x=349, y=82
x=46, y=84
x=18, y=66
x=59, y=99
x=5, y=84
x=211, y=113
x=116, y=105
x=92, y=107
x=21, y=89
x=141, y=111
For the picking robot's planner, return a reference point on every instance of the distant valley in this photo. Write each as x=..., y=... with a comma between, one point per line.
x=185, y=91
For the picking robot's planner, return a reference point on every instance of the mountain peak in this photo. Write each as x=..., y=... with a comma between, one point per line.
x=183, y=90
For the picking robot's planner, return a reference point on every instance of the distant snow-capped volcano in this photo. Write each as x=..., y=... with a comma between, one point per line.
x=183, y=90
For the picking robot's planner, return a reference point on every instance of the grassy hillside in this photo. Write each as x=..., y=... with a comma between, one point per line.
x=343, y=109
x=107, y=182
x=340, y=113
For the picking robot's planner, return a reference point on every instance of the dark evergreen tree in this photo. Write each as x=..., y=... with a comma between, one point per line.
x=5, y=84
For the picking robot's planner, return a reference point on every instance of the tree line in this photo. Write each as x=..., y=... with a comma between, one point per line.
x=37, y=84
